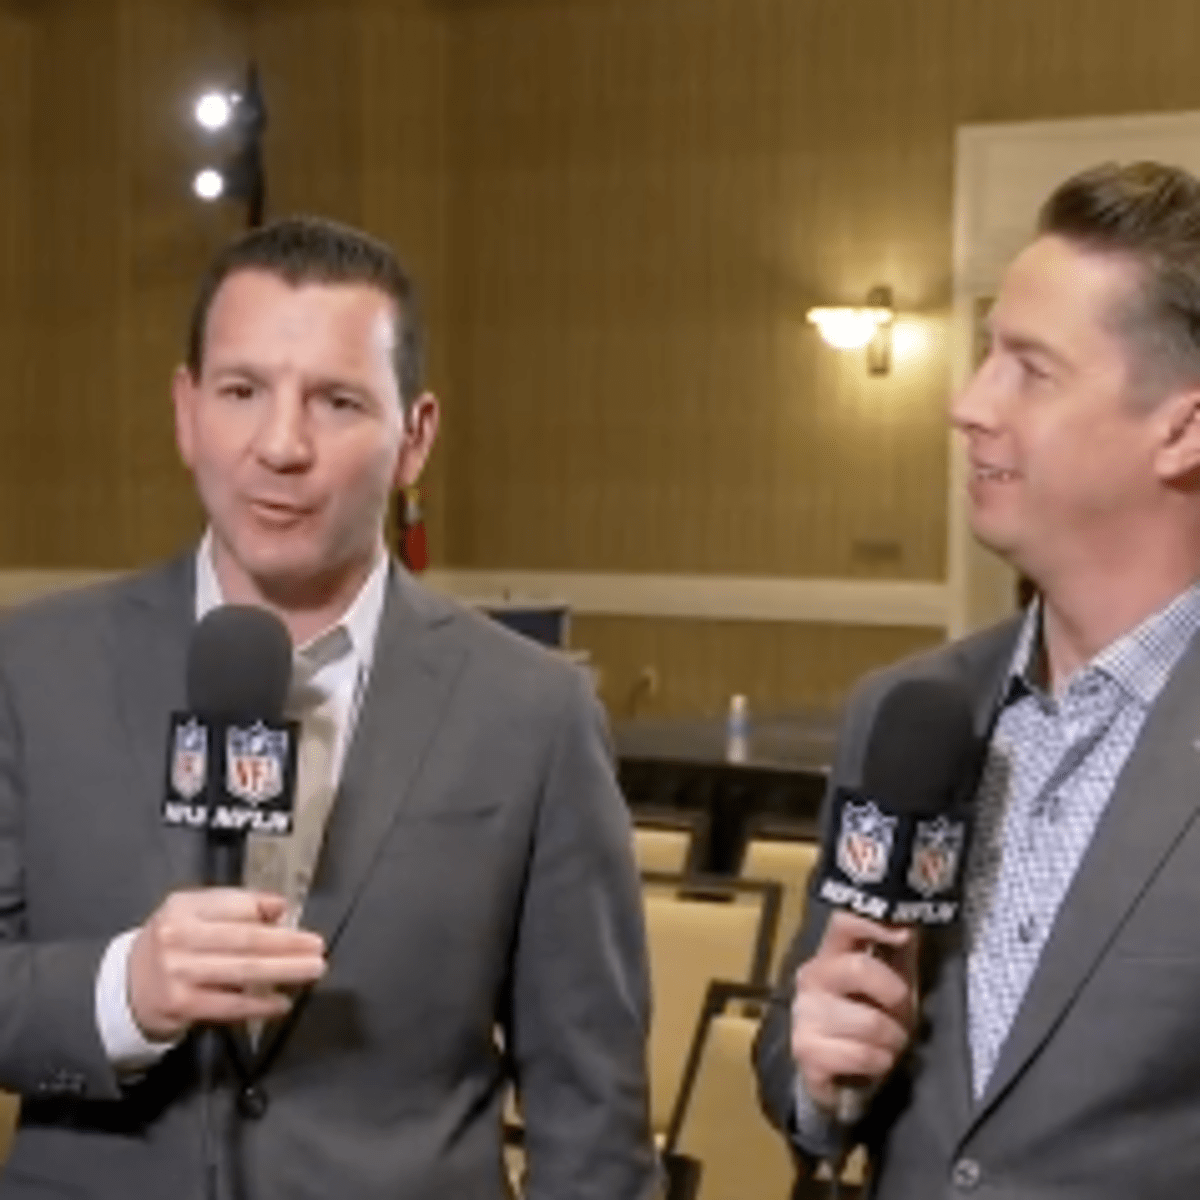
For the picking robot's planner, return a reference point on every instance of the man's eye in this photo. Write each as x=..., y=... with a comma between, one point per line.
x=237, y=391
x=341, y=402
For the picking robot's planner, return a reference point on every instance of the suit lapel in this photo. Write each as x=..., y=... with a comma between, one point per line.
x=412, y=679
x=152, y=622
x=1153, y=802
x=982, y=664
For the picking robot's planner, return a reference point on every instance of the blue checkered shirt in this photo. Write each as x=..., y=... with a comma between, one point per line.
x=1052, y=764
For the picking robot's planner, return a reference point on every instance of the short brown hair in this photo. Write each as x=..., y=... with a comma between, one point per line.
x=303, y=250
x=1151, y=214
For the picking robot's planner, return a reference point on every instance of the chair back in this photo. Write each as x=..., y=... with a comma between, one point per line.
x=717, y=1119
x=699, y=928
x=668, y=840
x=789, y=862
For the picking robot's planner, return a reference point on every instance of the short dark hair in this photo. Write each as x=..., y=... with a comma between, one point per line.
x=1149, y=213
x=305, y=249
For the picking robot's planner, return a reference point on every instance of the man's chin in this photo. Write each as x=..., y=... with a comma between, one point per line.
x=287, y=580
x=1001, y=542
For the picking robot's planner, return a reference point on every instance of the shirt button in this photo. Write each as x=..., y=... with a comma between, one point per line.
x=1027, y=930
x=252, y=1102
x=966, y=1175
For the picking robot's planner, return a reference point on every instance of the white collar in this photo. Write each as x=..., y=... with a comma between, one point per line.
x=355, y=631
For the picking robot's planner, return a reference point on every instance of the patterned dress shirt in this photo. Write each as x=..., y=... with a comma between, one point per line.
x=1052, y=764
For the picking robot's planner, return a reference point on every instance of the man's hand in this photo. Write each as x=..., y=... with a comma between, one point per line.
x=216, y=955
x=855, y=1007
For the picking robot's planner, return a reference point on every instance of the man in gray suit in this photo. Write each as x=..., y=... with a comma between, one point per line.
x=458, y=907
x=1051, y=1046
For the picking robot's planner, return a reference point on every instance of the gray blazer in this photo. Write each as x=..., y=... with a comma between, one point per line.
x=476, y=890
x=1096, y=1093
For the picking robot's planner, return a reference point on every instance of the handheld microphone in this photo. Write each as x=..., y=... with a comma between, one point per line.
x=231, y=758
x=895, y=847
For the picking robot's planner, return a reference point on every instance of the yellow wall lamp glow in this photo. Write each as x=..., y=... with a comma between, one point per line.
x=868, y=327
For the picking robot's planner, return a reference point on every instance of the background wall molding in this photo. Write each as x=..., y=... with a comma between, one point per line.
x=21, y=586
x=711, y=597
x=696, y=597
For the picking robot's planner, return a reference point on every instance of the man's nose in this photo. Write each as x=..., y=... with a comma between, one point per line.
x=283, y=440
x=974, y=407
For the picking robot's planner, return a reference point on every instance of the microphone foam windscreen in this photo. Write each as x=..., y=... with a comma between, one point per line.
x=922, y=746
x=239, y=664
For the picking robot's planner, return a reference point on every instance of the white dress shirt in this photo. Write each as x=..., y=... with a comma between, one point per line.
x=337, y=662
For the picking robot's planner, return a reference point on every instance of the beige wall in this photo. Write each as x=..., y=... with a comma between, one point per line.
x=113, y=245
x=619, y=210
x=15, y=157
x=697, y=665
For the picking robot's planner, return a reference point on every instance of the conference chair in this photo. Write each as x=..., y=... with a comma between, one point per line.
x=716, y=1118
x=699, y=928
x=786, y=852
x=668, y=840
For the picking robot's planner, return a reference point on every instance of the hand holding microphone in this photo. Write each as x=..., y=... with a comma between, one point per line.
x=215, y=954
x=854, y=1011
x=892, y=860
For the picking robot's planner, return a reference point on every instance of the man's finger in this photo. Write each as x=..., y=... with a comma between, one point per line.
x=847, y=931
x=195, y=935
x=231, y=971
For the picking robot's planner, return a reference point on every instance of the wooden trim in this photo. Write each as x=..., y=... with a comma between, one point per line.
x=710, y=597
x=699, y=597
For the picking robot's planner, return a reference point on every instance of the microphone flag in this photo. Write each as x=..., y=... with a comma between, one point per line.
x=230, y=776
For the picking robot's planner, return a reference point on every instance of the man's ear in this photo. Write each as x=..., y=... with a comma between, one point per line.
x=183, y=397
x=420, y=432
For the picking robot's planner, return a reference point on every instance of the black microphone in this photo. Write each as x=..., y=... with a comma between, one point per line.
x=231, y=758
x=895, y=847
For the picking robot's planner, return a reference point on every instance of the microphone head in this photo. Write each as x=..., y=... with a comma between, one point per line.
x=921, y=748
x=239, y=664
x=895, y=846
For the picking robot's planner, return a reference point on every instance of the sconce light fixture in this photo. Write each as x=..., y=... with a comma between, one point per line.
x=848, y=328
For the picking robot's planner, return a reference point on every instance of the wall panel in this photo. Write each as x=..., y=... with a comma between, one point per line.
x=647, y=198
x=116, y=244
x=697, y=665
x=16, y=145
x=405, y=190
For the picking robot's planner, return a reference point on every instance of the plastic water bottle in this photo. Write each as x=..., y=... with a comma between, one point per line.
x=737, y=728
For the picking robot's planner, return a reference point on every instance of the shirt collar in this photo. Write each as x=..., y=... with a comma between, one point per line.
x=1139, y=661
x=355, y=632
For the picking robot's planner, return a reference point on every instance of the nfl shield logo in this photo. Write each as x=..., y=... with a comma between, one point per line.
x=189, y=759
x=865, y=842
x=936, y=849
x=254, y=762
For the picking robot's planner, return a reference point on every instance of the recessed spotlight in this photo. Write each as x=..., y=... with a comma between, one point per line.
x=214, y=110
x=209, y=184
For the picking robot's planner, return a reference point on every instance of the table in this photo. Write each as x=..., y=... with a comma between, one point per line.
x=690, y=764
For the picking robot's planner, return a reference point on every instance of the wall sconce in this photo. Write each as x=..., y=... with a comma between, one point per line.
x=847, y=328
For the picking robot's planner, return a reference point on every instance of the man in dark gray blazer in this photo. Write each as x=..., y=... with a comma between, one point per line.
x=1051, y=1045
x=461, y=912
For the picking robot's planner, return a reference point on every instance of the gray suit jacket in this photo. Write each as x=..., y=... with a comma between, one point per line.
x=1096, y=1093
x=476, y=890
